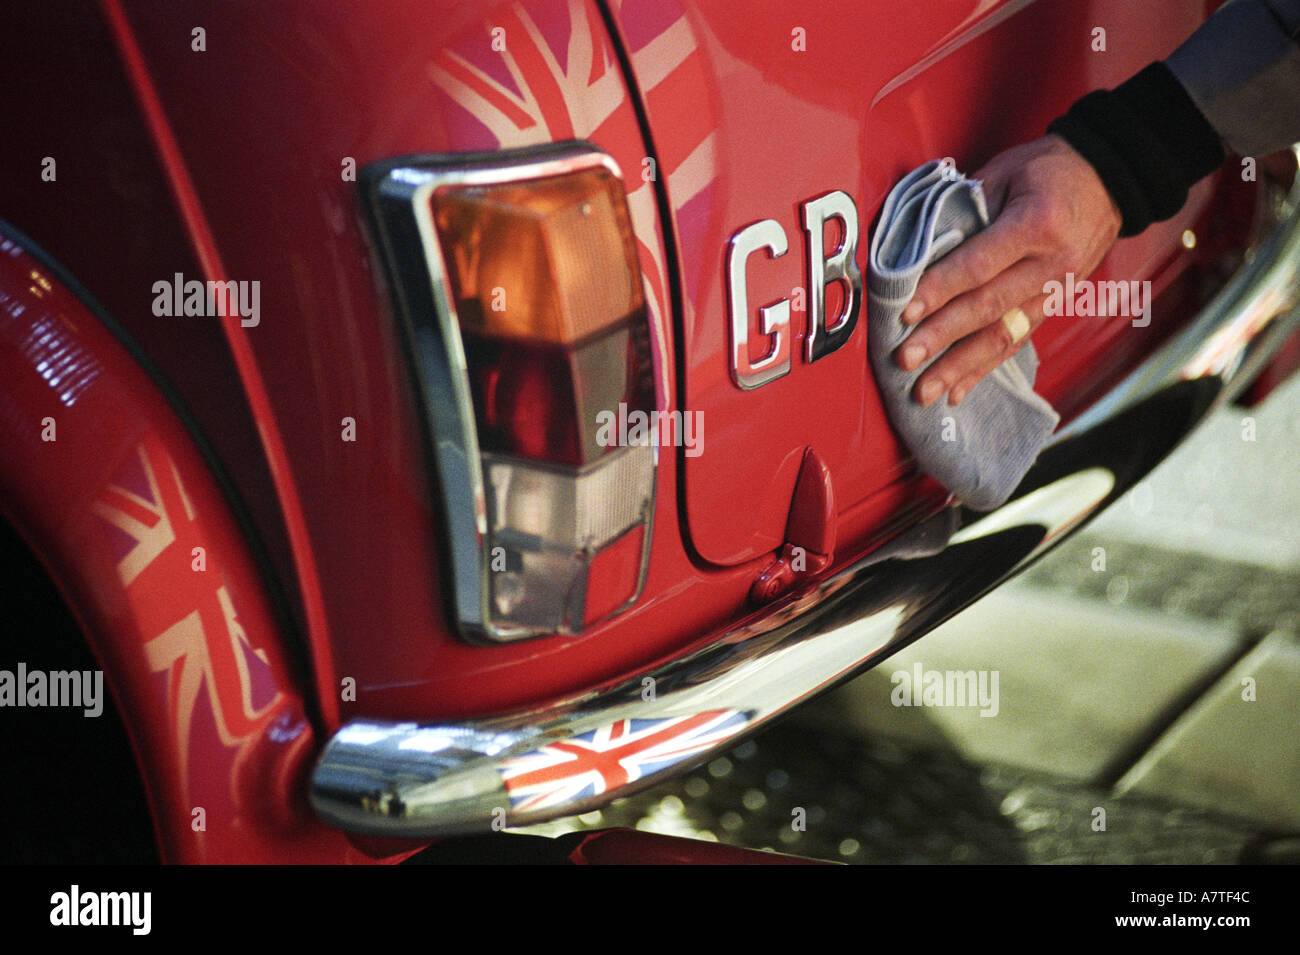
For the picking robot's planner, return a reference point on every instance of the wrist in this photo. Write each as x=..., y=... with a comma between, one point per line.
x=1088, y=179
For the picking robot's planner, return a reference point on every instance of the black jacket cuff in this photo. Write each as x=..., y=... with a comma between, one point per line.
x=1148, y=142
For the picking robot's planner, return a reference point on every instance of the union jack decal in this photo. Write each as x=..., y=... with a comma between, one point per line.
x=555, y=77
x=201, y=646
x=608, y=758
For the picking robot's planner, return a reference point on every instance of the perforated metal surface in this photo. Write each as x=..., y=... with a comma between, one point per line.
x=1208, y=546
x=874, y=801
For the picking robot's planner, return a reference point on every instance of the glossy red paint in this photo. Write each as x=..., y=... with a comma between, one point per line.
x=125, y=513
x=852, y=95
x=252, y=139
x=191, y=211
x=279, y=209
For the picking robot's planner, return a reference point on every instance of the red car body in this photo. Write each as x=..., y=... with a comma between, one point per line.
x=224, y=154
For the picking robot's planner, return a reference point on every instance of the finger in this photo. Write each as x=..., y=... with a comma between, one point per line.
x=969, y=313
x=964, y=365
x=995, y=180
x=994, y=354
x=975, y=262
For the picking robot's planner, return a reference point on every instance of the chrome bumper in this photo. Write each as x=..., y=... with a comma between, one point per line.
x=426, y=780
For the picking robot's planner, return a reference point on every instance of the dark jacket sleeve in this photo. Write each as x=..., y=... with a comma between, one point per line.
x=1235, y=80
x=1242, y=70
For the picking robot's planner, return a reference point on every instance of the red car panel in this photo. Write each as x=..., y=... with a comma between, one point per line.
x=852, y=96
x=132, y=524
x=236, y=158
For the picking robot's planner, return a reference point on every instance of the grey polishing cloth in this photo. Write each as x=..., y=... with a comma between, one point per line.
x=982, y=448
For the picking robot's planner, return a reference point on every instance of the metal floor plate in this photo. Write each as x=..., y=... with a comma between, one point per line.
x=862, y=800
x=1120, y=698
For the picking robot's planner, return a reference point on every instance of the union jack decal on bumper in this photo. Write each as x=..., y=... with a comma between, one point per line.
x=608, y=758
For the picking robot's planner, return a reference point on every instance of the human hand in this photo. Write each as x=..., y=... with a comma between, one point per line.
x=1050, y=215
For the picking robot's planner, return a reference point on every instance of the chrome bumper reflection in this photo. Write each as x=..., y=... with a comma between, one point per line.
x=426, y=780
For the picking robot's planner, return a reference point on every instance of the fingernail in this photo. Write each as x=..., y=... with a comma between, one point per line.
x=913, y=311
x=930, y=390
x=955, y=396
x=911, y=356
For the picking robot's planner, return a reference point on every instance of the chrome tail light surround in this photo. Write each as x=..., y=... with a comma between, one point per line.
x=522, y=535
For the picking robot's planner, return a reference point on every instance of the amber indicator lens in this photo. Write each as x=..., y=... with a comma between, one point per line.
x=546, y=259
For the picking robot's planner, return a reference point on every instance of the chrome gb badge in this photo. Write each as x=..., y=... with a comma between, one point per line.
x=824, y=335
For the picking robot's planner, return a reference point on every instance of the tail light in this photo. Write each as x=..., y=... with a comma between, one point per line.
x=517, y=280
